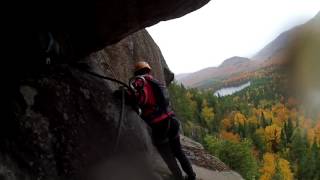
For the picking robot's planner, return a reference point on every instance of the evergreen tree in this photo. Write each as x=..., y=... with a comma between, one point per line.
x=263, y=120
x=299, y=145
x=283, y=138
x=289, y=130
x=311, y=171
x=316, y=151
x=299, y=153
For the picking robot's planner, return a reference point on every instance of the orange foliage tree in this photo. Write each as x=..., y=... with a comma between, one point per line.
x=272, y=165
x=272, y=136
x=233, y=137
x=269, y=166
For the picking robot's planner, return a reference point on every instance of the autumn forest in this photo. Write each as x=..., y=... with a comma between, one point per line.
x=263, y=132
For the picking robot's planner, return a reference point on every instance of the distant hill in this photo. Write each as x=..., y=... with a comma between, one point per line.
x=180, y=76
x=234, y=61
x=279, y=45
x=228, y=67
x=273, y=47
x=271, y=54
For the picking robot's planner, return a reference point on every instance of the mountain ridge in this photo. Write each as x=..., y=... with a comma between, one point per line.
x=230, y=66
x=267, y=56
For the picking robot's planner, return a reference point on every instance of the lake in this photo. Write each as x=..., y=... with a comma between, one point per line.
x=230, y=90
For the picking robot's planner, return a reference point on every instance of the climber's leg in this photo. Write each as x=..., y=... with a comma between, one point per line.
x=170, y=160
x=180, y=155
x=175, y=144
x=161, y=141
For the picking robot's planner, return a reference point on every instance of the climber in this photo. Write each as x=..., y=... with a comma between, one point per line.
x=152, y=98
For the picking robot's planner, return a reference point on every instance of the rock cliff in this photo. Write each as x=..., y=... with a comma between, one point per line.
x=63, y=122
x=59, y=122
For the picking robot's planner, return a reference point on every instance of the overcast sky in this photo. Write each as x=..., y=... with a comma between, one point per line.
x=226, y=28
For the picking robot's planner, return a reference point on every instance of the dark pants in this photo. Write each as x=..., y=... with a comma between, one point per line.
x=166, y=138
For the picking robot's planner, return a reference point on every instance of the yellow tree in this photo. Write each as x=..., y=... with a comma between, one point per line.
x=317, y=132
x=273, y=164
x=207, y=114
x=226, y=123
x=257, y=112
x=267, y=114
x=311, y=136
x=269, y=166
x=272, y=134
x=285, y=171
x=191, y=103
x=239, y=118
x=253, y=120
x=281, y=114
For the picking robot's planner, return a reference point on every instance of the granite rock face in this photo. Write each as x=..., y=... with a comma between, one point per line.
x=119, y=59
x=63, y=123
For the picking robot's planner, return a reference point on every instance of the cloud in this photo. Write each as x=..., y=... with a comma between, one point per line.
x=226, y=28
